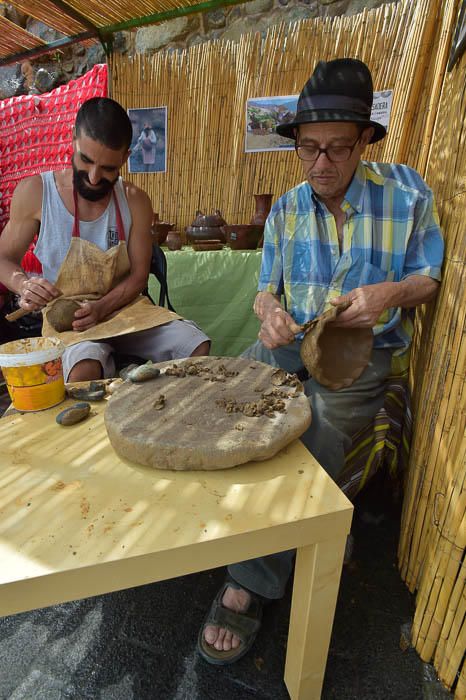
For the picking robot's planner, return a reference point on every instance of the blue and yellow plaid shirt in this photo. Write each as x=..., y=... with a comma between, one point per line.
x=391, y=232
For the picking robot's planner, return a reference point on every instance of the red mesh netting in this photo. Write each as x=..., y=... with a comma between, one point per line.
x=36, y=133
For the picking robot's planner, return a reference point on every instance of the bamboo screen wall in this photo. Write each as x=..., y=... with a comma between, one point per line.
x=406, y=47
x=432, y=545
x=206, y=87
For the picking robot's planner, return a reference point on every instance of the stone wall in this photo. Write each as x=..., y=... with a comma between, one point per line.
x=45, y=73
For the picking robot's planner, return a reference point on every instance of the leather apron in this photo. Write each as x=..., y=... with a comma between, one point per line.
x=89, y=273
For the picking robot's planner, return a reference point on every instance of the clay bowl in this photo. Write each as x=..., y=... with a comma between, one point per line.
x=204, y=233
x=160, y=230
x=243, y=236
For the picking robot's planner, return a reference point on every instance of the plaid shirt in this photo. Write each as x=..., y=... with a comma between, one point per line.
x=391, y=232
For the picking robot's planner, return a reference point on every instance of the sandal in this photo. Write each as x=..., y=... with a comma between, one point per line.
x=245, y=625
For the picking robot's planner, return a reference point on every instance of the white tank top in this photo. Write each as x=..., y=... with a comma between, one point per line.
x=57, y=225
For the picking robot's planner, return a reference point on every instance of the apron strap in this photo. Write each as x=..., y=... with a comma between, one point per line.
x=119, y=218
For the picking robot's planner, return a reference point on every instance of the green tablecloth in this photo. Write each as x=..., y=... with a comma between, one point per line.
x=216, y=289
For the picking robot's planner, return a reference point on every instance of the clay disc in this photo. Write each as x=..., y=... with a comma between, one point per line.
x=193, y=429
x=336, y=356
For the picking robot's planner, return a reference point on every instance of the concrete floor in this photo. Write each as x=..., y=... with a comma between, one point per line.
x=140, y=644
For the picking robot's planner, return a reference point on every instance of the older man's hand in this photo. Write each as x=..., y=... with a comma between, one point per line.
x=367, y=305
x=278, y=328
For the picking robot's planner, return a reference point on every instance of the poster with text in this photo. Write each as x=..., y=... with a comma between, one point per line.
x=149, y=143
x=264, y=114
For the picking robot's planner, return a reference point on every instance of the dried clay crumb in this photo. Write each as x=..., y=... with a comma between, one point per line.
x=159, y=403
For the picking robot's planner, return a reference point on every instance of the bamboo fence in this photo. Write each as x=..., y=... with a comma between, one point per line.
x=205, y=89
x=433, y=539
x=406, y=45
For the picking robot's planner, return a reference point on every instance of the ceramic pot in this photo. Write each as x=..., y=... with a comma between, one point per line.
x=243, y=236
x=206, y=227
x=263, y=206
x=160, y=229
x=174, y=240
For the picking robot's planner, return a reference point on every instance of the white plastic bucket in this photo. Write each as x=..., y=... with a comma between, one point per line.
x=33, y=372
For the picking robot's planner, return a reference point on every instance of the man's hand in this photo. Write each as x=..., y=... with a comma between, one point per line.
x=88, y=315
x=264, y=303
x=367, y=304
x=278, y=328
x=36, y=292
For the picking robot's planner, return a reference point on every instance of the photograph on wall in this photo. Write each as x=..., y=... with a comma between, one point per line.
x=149, y=143
x=264, y=114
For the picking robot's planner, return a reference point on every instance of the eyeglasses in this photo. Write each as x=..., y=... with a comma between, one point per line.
x=335, y=154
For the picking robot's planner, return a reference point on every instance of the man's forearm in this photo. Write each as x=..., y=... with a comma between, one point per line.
x=12, y=275
x=410, y=292
x=122, y=294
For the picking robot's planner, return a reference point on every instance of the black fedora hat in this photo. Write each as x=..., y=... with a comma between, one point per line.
x=337, y=91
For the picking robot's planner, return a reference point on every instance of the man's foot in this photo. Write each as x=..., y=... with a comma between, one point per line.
x=238, y=600
x=231, y=625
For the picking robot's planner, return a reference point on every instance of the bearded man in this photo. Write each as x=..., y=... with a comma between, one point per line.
x=94, y=244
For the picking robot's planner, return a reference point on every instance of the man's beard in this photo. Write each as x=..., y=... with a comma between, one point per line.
x=92, y=194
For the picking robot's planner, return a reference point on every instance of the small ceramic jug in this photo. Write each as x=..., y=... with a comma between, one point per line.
x=174, y=240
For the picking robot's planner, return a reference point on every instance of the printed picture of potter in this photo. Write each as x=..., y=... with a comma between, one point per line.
x=148, y=146
x=146, y=142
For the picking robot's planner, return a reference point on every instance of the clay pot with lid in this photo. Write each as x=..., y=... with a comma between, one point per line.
x=206, y=227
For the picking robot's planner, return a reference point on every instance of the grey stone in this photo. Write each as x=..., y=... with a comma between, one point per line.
x=356, y=6
x=196, y=39
x=215, y=19
x=335, y=9
x=257, y=7
x=45, y=80
x=159, y=35
x=234, y=13
x=11, y=82
x=95, y=54
x=42, y=30
x=120, y=41
x=248, y=24
x=14, y=15
x=293, y=14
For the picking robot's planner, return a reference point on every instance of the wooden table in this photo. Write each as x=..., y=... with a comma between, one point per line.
x=77, y=521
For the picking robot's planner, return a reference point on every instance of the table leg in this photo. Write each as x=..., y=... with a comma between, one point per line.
x=315, y=590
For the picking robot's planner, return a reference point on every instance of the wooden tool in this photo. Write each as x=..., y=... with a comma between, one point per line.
x=15, y=315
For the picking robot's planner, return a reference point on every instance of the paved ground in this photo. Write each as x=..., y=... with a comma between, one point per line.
x=140, y=644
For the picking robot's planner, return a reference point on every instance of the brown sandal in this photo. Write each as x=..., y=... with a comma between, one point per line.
x=244, y=625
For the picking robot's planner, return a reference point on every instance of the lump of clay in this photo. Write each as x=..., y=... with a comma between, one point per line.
x=333, y=356
x=60, y=315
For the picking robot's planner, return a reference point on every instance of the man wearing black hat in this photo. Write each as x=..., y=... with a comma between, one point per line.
x=358, y=233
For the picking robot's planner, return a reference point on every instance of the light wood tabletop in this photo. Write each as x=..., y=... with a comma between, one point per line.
x=76, y=520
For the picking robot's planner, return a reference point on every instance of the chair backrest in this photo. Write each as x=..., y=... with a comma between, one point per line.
x=158, y=268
